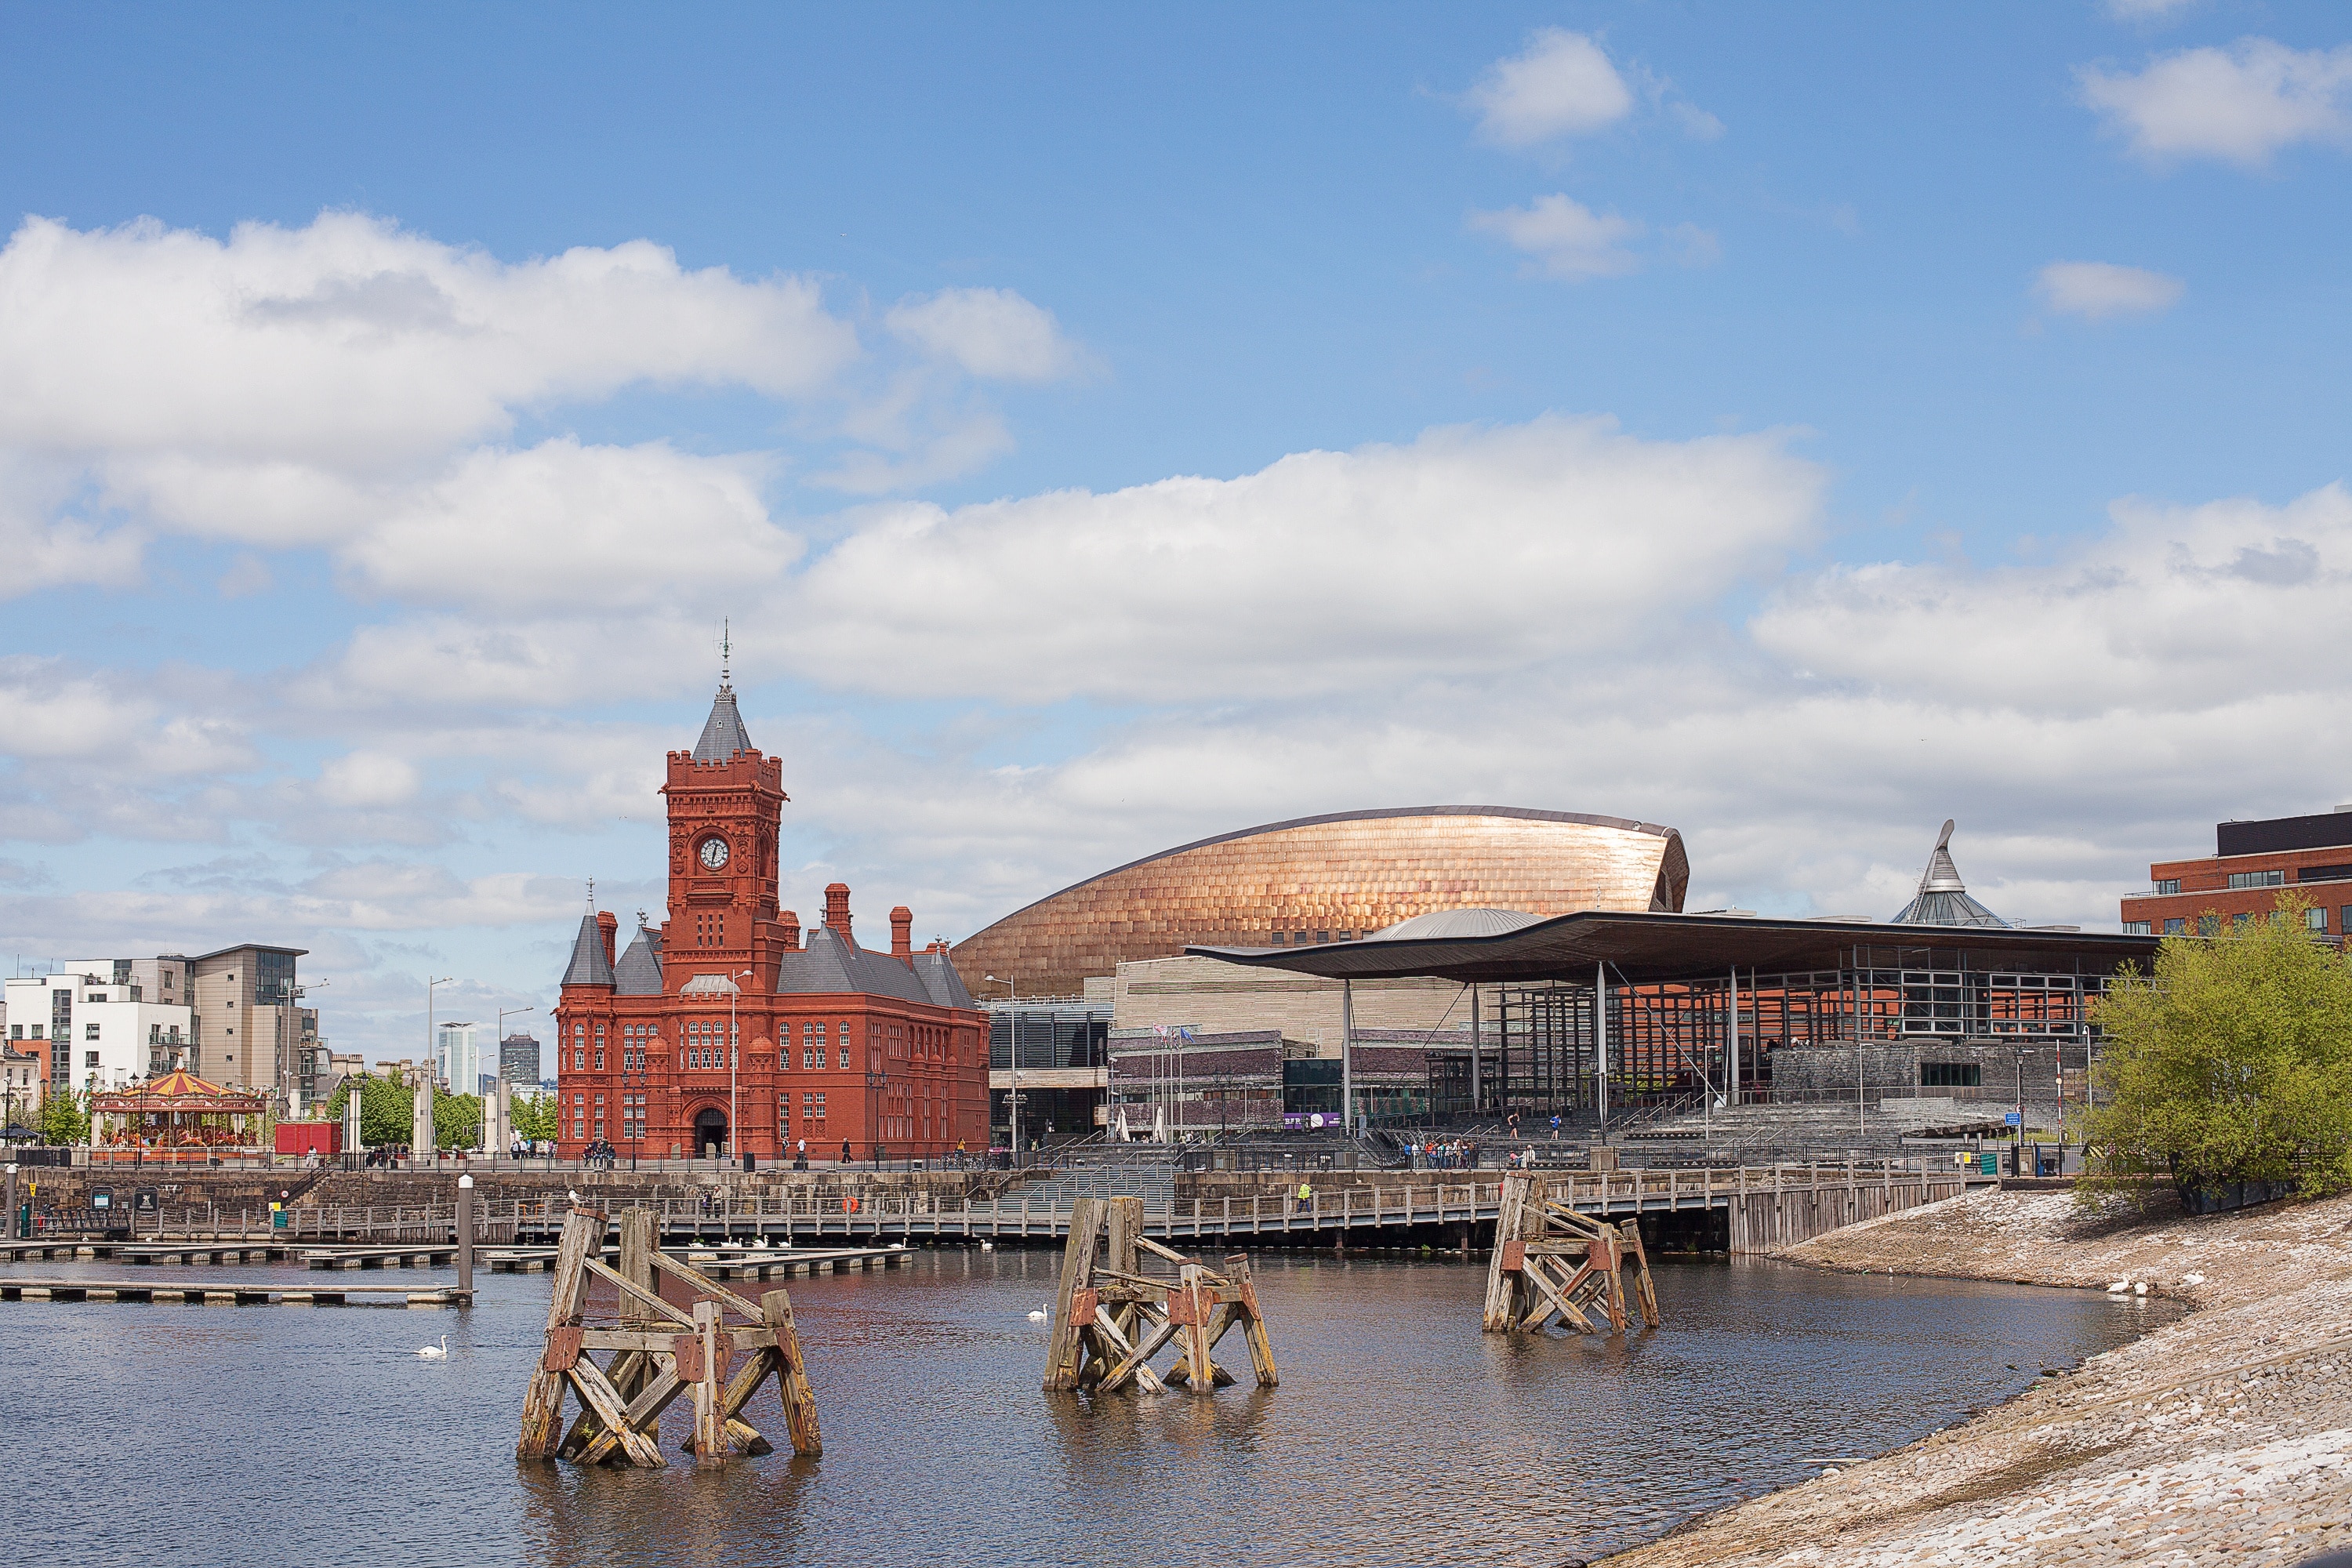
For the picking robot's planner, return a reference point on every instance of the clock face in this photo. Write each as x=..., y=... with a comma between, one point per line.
x=714, y=853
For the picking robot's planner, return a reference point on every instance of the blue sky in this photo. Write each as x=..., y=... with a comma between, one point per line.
x=1795, y=424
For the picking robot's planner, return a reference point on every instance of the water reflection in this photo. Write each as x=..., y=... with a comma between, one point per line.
x=1399, y=1434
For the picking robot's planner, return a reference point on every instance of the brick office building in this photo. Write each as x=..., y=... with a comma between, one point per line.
x=825, y=1041
x=2251, y=865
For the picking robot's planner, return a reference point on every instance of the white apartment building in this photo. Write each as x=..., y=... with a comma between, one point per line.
x=104, y=1022
x=458, y=1058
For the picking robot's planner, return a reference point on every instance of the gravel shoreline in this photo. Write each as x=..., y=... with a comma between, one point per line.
x=2225, y=1435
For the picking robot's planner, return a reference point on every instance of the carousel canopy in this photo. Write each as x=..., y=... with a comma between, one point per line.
x=182, y=1091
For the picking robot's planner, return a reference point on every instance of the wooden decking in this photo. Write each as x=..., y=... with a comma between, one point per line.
x=211, y=1293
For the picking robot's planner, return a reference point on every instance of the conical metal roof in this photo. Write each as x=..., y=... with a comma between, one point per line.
x=1943, y=899
x=589, y=966
x=723, y=734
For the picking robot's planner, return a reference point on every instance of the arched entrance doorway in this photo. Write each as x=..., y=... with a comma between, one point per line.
x=710, y=1132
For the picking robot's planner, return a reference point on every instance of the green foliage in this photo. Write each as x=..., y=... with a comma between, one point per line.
x=534, y=1117
x=387, y=1109
x=388, y=1113
x=456, y=1120
x=2232, y=1062
x=65, y=1118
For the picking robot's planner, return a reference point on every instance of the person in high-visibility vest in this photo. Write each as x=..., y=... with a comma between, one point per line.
x=1306, y=1198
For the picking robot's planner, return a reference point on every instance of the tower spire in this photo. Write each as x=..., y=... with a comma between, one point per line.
x=726, y=651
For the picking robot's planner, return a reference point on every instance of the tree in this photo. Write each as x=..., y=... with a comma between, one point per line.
x=457, y=1118
x=2232, y=1061
x=534, y=1117
x=387, y=1109
x=65, y=1118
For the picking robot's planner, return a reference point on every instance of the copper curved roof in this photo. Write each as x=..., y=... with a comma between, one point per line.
x=1350, y=871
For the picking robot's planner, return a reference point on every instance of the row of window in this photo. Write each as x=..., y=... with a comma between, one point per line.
x=588, y=1118
x=707, y=1040
x=2210, y=924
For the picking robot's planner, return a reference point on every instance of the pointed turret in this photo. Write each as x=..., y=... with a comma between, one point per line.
x=723, y=734
x=1943, y=899
x=589, y=964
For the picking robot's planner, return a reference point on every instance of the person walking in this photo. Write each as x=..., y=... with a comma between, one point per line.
x=846, y=1156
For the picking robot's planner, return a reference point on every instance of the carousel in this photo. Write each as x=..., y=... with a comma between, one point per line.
x=179, y=1116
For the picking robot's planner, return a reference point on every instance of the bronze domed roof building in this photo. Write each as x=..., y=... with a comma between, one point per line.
x=1339, y=877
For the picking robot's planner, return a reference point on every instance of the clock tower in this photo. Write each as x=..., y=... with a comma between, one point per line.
x=726, y=808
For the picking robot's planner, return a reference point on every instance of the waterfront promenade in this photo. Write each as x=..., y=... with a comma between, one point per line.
x=2225, y=1435
x=1757, y=1209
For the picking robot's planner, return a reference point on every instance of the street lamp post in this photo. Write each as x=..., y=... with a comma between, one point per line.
x=734, y=1055
x=430, y=1046
x=1012, y=1053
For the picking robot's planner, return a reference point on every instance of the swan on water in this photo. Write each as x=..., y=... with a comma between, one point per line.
x=988, y=1246
x=436, y=1352
x=1040, y=1315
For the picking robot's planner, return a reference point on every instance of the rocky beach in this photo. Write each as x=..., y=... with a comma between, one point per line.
x=2223, y=1435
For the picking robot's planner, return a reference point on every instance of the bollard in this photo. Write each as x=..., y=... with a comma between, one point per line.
x=466, y=1236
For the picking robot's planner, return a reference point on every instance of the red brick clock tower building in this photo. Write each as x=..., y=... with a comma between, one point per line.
x=723, y=1032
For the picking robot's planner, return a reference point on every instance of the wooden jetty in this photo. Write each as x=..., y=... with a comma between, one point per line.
x=379, y=1257
x=754, y=1262
x=1553, y=1261
x=1111, y=1317
x=212, y=1293
x=1766, y=1207
x=659, y=1351
x=146, y=1254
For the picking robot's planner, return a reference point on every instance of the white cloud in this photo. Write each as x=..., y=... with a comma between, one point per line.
x=369, y=778
x=354, y=345
x=564, y=524
x=2101, y=289
x=1560, y=84
x=2172, y=609
x=1467, y=548
x=51, y=714
x=2243, y=104
x=993, y=333
x=1567, y=238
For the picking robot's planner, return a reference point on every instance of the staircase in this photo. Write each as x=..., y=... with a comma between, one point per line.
x=1809, y=1131
x=1147, y=1171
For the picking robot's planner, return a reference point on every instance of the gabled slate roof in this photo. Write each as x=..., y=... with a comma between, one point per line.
x=831, y=966
x=723, y=734
x=589, y=966
x=941, y=980
x=639, y=972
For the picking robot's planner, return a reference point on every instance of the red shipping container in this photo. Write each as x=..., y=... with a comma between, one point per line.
x=320, y=1137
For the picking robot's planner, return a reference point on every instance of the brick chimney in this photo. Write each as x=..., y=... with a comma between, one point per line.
x=902, y=938
x=608, y=923
x=790, y=920
x=836, y=910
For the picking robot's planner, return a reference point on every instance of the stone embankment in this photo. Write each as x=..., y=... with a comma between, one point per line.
x=2225, y=1435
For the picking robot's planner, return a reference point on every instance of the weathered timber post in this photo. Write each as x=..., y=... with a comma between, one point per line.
x=1501, y=1268
x=1126, y=1224
x=710, y=1447
x=1065, y=1349
x=542, y=1405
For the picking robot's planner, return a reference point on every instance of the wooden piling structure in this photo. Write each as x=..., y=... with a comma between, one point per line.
x=1111, y=1317
x=1552, y=1261
x=660, y=1351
